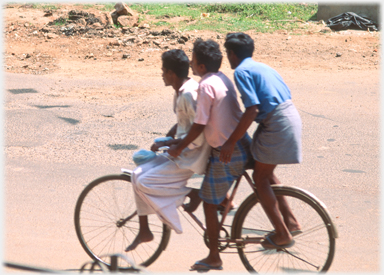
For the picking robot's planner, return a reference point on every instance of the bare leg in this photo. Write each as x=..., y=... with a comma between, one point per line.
x=289, y=219
x=263, y=173
x=145, y=234
x=212, y=223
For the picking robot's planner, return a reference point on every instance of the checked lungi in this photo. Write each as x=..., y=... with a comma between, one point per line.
x=220, y=176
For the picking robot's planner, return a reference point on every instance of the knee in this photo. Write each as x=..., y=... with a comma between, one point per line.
x=263, y=171
x=260, y=178
x=259, y=175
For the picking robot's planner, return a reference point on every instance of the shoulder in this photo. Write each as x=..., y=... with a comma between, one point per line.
x=247, y=65
x=190, y=88
x=206, y=82
x=250, y=69
x=190, y=85
x=214, y=79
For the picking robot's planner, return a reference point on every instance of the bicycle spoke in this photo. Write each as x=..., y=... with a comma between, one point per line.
x=106, y=222
x=96, y=229
x=96, y=207
x=102, y=241
x=301, y=259
x=314, y=247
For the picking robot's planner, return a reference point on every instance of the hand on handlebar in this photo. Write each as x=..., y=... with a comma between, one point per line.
x=173, y=151
x=155, y=147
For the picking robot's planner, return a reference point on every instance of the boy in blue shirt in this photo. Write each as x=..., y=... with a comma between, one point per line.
x=277, y=140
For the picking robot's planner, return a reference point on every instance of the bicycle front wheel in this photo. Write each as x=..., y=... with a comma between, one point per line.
x=314, y=248
x=106, y=223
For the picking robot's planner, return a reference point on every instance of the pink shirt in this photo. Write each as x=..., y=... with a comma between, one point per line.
x=217, y=108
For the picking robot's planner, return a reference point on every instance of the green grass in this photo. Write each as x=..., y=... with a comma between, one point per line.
x=162, y=23
x=262, y=17
x=85, y=6
x=227, y=17
x=106, y=6
x=45, y=6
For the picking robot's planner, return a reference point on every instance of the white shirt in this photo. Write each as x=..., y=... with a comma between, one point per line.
x=195, y=156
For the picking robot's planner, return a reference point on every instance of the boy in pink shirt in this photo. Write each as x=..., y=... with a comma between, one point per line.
x=217, y=115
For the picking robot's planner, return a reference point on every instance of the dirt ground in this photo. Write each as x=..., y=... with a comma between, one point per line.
x=35, y=45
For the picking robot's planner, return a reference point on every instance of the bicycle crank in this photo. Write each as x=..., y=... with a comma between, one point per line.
x=223, y=234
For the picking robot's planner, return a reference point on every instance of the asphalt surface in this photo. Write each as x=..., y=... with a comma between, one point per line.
x=57, y=140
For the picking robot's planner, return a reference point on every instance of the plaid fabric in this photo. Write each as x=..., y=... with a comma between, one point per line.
x=220, y=176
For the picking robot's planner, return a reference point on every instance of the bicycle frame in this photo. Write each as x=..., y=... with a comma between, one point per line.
x=248, y=228
x=226, y=211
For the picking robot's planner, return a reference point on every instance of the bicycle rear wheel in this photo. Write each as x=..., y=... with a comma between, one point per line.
x=100, y=212
x=314, y=248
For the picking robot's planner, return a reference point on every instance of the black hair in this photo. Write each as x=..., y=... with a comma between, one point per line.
x=208, y=53
x=240, y=43
x=177, y=61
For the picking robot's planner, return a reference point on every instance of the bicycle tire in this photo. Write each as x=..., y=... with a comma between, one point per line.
x=100, y=206
x=314, y=248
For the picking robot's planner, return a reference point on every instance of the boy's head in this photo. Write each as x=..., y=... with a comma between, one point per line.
x=175, y=65
x=240, y=43
x=206, y=53
x=177, y=61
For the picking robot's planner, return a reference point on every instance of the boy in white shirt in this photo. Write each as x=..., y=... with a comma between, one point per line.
x=160, y=184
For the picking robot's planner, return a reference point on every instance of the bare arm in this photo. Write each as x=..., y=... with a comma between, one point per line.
x=245, y=121
x=194, y=132
x=155, y=147
x=172, y=131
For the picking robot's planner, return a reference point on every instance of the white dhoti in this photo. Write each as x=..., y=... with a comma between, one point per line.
x=160, y=187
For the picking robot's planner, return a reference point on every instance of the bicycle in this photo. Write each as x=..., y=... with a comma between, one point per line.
x=106, y=222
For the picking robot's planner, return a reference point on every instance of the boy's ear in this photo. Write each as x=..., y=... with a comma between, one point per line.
x=202, y=67
x=170, y=72
x=231, y=53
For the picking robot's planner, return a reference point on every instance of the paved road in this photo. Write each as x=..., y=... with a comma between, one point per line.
x=62, y=133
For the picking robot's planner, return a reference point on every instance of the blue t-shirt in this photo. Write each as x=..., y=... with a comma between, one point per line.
x=260, y=85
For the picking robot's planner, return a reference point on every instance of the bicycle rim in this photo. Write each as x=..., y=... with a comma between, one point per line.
x=103, y=203
x=313, y=250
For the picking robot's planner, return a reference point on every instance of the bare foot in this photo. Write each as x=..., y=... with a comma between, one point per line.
x=140, y=238
x=194, y=202
x=294, y=230
x=293, y=226
x=277, y=240
x=207, y=264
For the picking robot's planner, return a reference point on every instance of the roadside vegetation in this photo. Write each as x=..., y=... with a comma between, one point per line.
x=261, y=17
